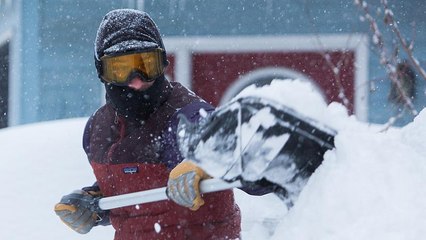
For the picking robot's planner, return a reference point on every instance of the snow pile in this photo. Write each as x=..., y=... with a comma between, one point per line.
x=295, y=94
x=41, y=162
x=370, y=187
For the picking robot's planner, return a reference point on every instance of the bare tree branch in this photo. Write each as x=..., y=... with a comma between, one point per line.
x=408, y=48
x=388, y=62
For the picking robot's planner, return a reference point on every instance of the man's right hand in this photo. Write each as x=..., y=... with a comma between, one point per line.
x=76, y=211
x=183, y=186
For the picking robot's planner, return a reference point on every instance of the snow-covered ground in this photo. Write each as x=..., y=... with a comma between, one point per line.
x=370, y=187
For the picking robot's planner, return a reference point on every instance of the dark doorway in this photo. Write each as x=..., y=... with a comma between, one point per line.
x=4, y=84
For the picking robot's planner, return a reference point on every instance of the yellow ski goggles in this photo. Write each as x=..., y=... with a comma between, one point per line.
x=119, y=69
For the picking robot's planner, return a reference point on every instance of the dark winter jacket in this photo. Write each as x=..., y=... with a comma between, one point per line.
x=131, y=154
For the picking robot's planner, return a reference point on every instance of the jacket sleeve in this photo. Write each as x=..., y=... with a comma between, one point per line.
x=104, y=219
x=86, y=135
x=173, y=156
x=191, y=111
x=104, y=215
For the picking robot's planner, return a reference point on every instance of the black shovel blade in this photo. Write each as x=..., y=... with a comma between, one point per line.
x=254, y=139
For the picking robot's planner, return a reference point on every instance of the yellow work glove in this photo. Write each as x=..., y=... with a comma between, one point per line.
x=183, y=186
x=75, y=210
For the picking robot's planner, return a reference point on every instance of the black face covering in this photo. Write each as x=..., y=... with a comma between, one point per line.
x=138, y=105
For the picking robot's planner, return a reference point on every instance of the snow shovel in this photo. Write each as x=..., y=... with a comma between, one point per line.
x=249, y=139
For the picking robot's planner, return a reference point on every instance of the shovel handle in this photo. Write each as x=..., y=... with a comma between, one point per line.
x=159, y=194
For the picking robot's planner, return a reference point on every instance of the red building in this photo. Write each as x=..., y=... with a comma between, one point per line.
x=217, y=68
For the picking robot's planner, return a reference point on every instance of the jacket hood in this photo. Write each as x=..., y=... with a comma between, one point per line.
x=125, y=30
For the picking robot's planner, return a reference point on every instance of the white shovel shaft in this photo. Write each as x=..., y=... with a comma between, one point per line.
x=158, y=194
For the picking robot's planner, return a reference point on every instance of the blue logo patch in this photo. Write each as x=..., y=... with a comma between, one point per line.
x=130, y=170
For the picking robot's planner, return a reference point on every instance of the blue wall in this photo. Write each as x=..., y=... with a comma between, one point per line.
x=59, y=78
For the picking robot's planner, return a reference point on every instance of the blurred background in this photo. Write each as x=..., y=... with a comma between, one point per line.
x=217, y=48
